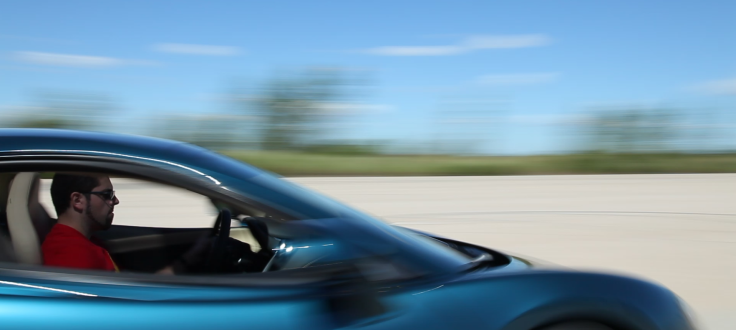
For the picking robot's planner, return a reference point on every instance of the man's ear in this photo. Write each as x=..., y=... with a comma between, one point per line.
x=78, y=202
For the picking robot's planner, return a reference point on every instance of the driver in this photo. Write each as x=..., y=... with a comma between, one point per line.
x=85, y=204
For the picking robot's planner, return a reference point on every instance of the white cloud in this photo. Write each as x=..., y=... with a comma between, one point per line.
x=500, y=42
x=467, y=45
x=74, y=60
x=417, y=51
x=518, y=79
x=353, y=108
x=197, y=49
x=66, y=60
x=725, y=86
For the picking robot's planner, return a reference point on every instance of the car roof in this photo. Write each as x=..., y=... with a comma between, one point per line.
x=16, y=139
x=59, y=141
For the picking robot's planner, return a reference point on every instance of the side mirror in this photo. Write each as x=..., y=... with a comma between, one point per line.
x=352, y=299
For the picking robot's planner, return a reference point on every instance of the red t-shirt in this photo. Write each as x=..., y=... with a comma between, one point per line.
x=64, y=246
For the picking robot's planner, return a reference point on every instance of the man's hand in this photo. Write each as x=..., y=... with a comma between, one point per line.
x=259, y=230
x=193, y=260
x=236, y=257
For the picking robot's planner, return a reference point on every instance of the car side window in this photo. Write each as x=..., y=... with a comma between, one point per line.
x=149, y=204
x=154, y=226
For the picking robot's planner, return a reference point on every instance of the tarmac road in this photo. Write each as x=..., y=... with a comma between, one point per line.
x=678, y=230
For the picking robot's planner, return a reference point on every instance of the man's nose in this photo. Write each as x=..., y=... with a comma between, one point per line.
x=115, y=201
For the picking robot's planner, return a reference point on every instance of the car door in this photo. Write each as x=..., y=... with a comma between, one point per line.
x=36, y=298
x=93, y=300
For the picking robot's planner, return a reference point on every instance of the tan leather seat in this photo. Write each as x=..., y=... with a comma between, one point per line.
x=28, y=221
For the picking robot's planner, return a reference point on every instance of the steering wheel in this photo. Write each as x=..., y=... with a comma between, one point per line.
x=220, y=235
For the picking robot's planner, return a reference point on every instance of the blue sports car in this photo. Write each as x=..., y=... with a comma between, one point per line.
x=282, y=257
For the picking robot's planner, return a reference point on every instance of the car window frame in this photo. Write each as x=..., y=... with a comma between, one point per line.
x=147, y=172
x=158, y=173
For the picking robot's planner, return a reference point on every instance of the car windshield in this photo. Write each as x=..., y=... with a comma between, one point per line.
x=405, y=249
x=310, y=205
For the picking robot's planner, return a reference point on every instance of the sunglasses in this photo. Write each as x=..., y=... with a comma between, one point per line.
x=107, y=195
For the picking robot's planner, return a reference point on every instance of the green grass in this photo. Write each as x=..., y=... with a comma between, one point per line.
x=306, y=164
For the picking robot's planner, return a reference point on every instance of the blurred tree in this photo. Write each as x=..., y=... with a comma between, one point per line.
x=632, y=130
x=64, y=110
x=291, y=110
x=31, y=122
x=213, y=131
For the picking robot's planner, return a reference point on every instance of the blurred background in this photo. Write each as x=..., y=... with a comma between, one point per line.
x=428, y=88
x=381, y=88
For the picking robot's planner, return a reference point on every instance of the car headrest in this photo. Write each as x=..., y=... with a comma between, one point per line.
x=22, y=231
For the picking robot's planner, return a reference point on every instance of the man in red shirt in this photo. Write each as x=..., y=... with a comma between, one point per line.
x=84, y=204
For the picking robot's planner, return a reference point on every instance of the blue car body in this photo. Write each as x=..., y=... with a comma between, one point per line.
x=387, y=278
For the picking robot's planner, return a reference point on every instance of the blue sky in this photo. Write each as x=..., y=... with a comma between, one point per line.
x=436, y=68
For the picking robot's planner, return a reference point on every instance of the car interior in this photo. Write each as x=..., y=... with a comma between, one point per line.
x=25, y=222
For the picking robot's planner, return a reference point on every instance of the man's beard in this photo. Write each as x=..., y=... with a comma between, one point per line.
x=105, y=224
